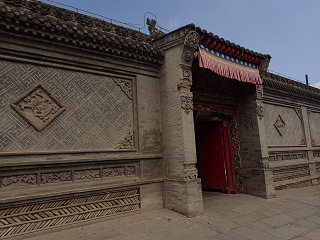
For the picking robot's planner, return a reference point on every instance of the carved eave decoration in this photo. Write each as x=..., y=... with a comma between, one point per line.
x=275, y=83
x=44, y=21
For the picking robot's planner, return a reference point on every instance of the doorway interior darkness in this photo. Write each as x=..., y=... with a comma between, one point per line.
x=214, y=154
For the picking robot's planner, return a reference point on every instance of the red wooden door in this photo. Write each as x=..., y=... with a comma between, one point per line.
x=211, y=155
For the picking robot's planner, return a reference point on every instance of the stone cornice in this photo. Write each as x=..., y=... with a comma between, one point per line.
x=174, y=38
x=287, y=86
x=44, y=21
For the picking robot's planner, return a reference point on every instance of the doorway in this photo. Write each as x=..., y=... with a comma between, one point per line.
x=214, y=155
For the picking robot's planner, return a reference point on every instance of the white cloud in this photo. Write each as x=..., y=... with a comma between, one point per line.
x=316, y=85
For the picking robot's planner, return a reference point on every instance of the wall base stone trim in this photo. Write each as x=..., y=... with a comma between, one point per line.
x=29, y=218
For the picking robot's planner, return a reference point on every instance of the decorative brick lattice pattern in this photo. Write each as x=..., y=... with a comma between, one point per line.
x=293, y=129
x=98, y=113
x=314, y=119
x=290, y=173
x=29, y=218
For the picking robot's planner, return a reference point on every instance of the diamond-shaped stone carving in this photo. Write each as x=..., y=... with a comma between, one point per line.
x=38, y=106
x=279, y=125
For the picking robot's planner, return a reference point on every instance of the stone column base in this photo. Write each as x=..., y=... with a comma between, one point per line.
x=184, y=196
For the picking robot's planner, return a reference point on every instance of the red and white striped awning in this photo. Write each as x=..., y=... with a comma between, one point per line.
x=228, y=66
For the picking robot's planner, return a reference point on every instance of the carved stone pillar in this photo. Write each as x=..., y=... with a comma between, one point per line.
x=182, y=188
x=267, y=173
x=257, y=175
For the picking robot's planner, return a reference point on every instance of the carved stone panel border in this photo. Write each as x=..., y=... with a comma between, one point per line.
x=30, y=218
x=103, y=172
x=288, y=156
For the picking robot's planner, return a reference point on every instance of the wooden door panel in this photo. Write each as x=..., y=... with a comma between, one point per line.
x=211, y=156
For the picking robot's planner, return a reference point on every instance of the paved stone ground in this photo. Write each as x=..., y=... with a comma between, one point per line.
x=293, y=214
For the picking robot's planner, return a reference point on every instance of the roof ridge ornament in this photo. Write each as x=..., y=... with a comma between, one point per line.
x=154, y=32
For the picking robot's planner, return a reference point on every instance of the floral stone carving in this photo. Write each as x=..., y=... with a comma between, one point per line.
x=131, y=170
x=186, y=103
x=128, y=141
x=192, y=39
x=125, y=85
x=55, y=177
x=260, y=111
x=248, y=122
x=113, y=172
x=87, y=174
x=190, y=171
x=27, y=178
x=38, y=106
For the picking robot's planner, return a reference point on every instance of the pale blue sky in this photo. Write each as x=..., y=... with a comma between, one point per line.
x=288, y=30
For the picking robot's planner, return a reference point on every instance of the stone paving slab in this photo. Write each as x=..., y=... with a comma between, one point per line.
x=294, y=214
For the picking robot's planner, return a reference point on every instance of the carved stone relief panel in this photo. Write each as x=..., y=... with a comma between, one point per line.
x=38, y=106
x=114, y=171
x=288, y=157
x=314, y=119
x=128, y=141
x=187, y=55
x=98, y=116
x=185, y=79
x=55, y=177
x=264, y=64
x=186, y=101
x=191, y=171
x=265, y=163
x=248, y=122
x=260, y=111
x=24, y=179
x=131, y=170
x=87, y=174
x=192, y=39
x=316, y=154
x=283, y=126
x=67, y=175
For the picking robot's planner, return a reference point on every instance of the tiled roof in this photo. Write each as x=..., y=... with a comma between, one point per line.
x=45, y=21
x=227, y=47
